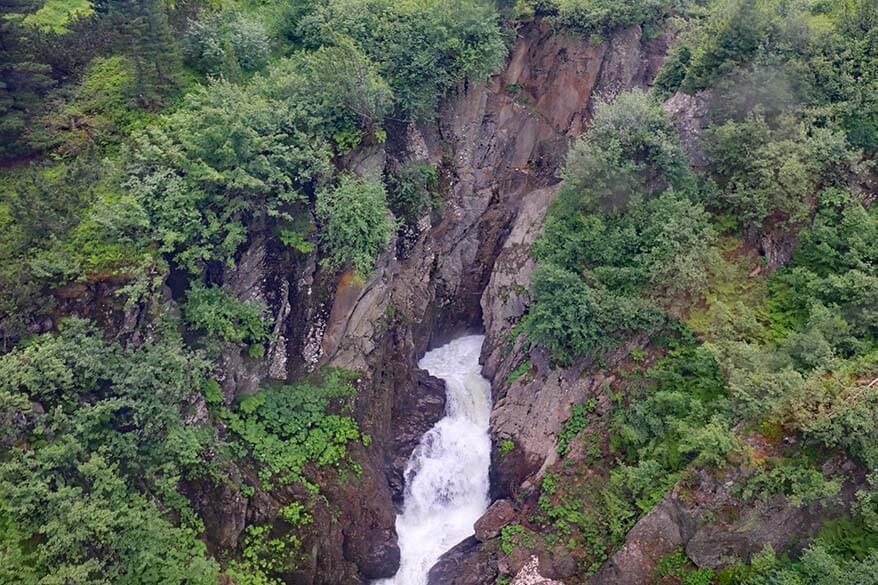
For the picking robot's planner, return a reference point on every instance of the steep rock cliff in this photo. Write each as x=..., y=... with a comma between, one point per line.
x=498, y=146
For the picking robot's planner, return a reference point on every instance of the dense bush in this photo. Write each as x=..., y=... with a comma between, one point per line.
x=623, y=222
x=769, y=170
x=287, y=427
x=229, y=156
x=214, y=311
x=569, y=318
x=95, y=112
x=356, y=224
x=733, y=35
x=630, y=152
x=337, y=86
x=413, y=190
x=603, y=16
x=227, y=43
x=422, y=47
x=783, y=57
x=89, y=527
x=87, y=489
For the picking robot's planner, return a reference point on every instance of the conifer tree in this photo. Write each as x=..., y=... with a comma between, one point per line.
x=145, y=34
x=21, y=79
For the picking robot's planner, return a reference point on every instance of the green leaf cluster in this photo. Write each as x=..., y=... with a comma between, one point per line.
x=287, y=427
x=220, y=315
x=356, y=224
x=623, y=223
x=422, y=47
x=90, y=468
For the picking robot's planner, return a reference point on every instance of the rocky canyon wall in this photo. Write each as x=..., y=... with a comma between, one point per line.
x=498, y=147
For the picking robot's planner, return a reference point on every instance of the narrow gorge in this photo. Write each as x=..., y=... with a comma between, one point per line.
x=447, y=474
x=378, y=292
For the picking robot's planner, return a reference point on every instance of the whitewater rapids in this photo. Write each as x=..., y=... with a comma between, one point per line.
x=447, y=473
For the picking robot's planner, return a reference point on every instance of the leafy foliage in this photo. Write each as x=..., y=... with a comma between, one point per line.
x=630, y=153
x=231, y=155
x=413, y=190
x=622, y=222
x=216, y=312
x=227, y=43
x=337, y=85
x=765, y=171
x=286, y=428
x=603, y=16
x=89, y=484
x=423, y=47
x=569, y=318
x=356, y=223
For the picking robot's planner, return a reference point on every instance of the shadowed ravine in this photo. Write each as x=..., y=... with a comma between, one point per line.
x=447, y=474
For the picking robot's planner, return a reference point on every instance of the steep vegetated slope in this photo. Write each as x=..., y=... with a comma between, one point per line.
x=230, y=229
x=684, y=376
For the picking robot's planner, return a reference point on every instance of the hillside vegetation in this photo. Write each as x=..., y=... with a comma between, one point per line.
x=144, y=144
x=757, y=373
x=142, y=138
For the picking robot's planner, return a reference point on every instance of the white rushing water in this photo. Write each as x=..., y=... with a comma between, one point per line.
x=447, y=474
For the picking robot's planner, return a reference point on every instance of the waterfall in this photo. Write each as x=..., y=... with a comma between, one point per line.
x=447, y=473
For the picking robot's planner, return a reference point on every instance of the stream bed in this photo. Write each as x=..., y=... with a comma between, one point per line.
x=447, y=473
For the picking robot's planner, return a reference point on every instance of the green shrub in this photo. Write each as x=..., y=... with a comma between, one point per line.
x=795, y=477
x=513, y=536
x=603, y=16
x=575, y=424
x=265, y=554
x=569, y=318
x=285, y=428
x=55, y=15
x=735, y=32
x=227, y=43
x=89, y=484
x=675, y=564
x=622, y=238
x=839, y=409
x=229, y=155
x=356, y=224
x=764, y=171
x=337, y=87
x=219, y=314
x=422, y=47
x=713, y=443
x=518, y=372
x=97, y=112
x=413, y=190
x=630, y=152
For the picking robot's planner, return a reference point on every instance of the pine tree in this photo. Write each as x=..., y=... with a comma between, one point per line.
x=144, y=33
x=22, y=81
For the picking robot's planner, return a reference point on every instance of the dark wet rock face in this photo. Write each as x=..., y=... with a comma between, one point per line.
x=465, y=564
x=380, y=560
x=415, y=412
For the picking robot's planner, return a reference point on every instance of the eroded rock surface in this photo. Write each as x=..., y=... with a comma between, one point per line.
x=530, y=575
x=498, y=147
x=689, y=113
x=665, y=529
x=498, y=515
x=465, y=564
